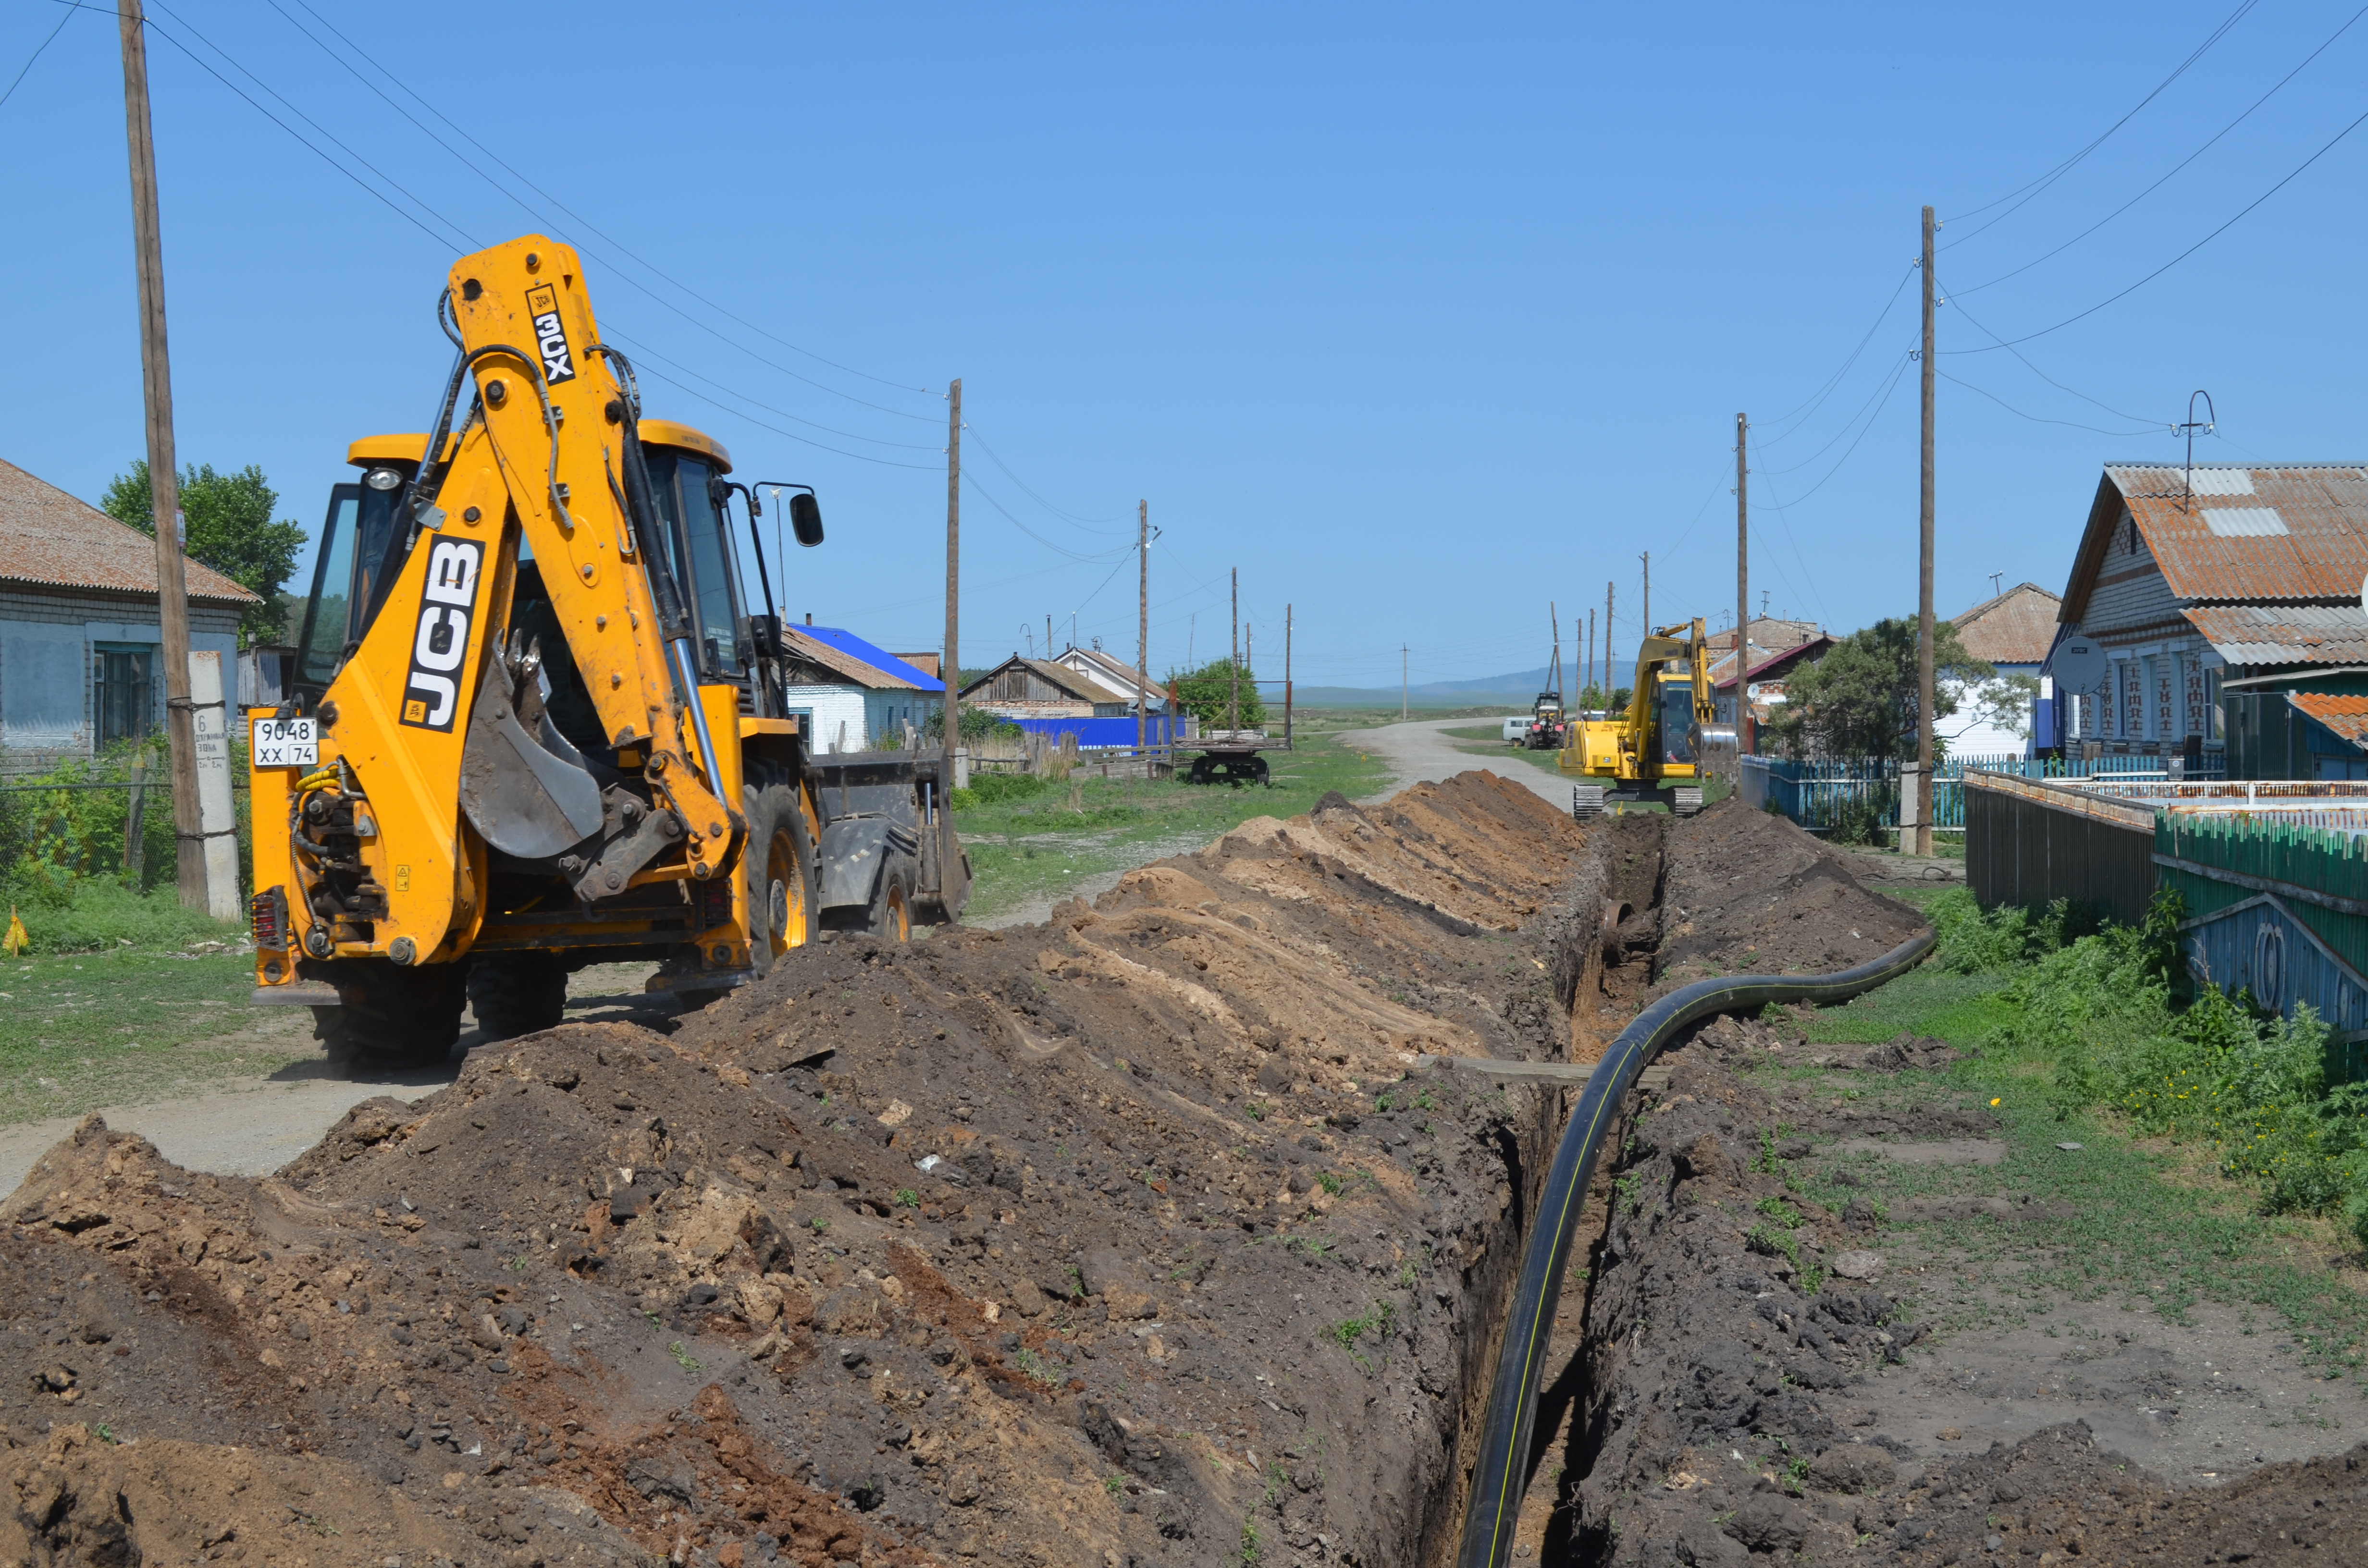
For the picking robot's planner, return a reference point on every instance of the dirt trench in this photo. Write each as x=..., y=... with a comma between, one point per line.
x=1160, y=1233
x=1728, y=1369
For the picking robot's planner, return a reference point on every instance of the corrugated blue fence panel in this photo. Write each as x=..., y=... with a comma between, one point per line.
x=1091, y=733
x=2259, y=945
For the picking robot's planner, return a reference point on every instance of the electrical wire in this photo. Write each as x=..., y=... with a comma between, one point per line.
x=469, y=240
x=36, y=55
x=2158, y=185
x=2029, y=192
x=2040, y=420
x=1881, y=390
x=2242, y=213
x=2116, y=413
x=1818, y=398
x=988, y=497
x=431, y=108
x=1889, y=387
x=792, y=434
x=642, y=351
x=1084, y=523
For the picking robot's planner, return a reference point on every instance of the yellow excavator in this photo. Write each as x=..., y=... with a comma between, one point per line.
x=535, y=723
x=1653, y=752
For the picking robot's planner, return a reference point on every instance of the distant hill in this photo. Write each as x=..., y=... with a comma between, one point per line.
x=1517, y=690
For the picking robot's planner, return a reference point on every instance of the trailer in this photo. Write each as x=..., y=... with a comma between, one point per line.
x=1233, y=755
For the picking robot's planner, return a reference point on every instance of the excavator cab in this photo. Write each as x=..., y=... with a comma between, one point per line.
x=1647, y=753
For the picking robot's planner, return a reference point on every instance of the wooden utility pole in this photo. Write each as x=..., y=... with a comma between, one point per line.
x=163, y=486
x=1591, y=653
x=1742, y=596
x=1924, y=693
x=1233, y=660
x=1554, y=617
x=1141, y=625
x=947, y=854
x=1610, y=676
x=1401, y=683
x=1648, y=559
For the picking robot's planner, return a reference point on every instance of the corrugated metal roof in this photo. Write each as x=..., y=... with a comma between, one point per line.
x=2279, y=531
x=1117, y=675
x=2347, y=716
x=50, y=537
x=897, y=671
x=835, y=651
x=2017, y=627
x=2284, y=634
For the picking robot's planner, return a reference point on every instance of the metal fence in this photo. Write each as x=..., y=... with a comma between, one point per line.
x=1820, y=794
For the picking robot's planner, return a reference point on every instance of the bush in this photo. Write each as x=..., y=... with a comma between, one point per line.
x=2101, y=1009
x=995, y=789
x=64, y=915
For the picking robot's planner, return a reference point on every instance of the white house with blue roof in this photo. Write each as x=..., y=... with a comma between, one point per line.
x=851, y=696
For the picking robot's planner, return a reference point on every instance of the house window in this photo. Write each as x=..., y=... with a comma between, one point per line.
x=120, y=676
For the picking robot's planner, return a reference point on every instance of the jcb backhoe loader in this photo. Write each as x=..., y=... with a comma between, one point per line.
x=535, y=724
x=1652, y=751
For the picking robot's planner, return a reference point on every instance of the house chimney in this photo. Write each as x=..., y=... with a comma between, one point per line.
x=809, y=618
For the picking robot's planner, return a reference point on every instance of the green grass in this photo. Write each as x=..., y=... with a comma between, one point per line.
x=114, y=1028
x=1023, y=851
x=83, y=915
x=2128, y=1222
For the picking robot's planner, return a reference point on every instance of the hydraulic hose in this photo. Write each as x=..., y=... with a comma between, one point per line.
x=1501, y=1475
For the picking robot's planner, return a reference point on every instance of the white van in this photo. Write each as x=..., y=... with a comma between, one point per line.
x=1516, y=729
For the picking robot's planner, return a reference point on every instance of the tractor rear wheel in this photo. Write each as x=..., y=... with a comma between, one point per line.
x=393, y=1016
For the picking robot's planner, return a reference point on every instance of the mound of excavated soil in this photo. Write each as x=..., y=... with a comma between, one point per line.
x=1745, y=892
x=1115, y=1240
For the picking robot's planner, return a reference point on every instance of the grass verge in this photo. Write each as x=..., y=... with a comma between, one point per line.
x=1028, y=851
x=77, y=1032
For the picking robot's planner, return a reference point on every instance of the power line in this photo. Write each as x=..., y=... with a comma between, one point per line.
x=792, y=434
x=2182, y=255
x=1819, y=397
x=1888, y=388
x=1882, y=390
x=149, y=23
x=36, y=55
x=562, y=207
x=2027, y=192
x=988, y=497
x=640, y=350
x=2182, y=164
x=1084, y=523
x=2040, y=419
x=2116, y=413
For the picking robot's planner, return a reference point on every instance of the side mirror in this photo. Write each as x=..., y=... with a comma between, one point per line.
x=805, y=518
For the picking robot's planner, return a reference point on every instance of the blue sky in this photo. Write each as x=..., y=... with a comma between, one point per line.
x=1420, y=318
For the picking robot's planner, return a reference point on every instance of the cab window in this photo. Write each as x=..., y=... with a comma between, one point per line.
x=699, y=554
x=1677, y=721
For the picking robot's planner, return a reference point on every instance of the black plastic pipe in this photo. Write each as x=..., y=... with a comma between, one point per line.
x=1501, y=1475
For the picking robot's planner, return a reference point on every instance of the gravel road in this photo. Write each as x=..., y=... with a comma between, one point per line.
x=1421, y=752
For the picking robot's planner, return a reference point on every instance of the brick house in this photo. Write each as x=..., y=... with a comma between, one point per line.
x=79, y=633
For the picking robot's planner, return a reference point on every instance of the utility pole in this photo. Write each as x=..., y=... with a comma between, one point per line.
x=1590, y=650
x=163, y=482
x=1648, y=559
x=1554, y=616
x=949, y=855
x=1610, y=678
x=1742, y=596
x=1924, y=693
x=1048, y=637
x=1234, y=659
x=1401, y=683
x=1142, y=624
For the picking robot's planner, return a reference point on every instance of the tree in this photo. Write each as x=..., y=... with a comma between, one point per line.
x=229, y=528
x=1860, y=701
x=1208, y=693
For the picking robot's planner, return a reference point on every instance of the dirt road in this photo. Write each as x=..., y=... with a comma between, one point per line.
x=1420, y=751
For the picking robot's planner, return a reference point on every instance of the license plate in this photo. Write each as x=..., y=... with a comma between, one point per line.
x=287, y=743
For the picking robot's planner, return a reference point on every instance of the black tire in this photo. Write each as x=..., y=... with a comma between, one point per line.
x=890, y=917
x=393, y=1016
x=779, y=870
x=517, y=994
x=1200, y=774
